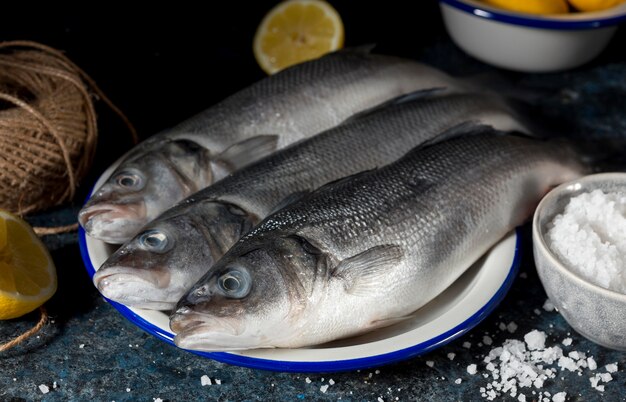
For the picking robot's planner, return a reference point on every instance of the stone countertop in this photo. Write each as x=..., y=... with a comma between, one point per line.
x=88, y=351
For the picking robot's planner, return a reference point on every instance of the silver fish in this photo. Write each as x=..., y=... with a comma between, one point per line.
x=279, y=110
x=156, y=267
x=369, y=250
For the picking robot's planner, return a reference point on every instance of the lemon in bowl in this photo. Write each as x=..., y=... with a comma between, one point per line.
x=545, y=40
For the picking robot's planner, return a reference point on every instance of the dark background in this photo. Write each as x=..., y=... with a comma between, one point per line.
x=162, y=64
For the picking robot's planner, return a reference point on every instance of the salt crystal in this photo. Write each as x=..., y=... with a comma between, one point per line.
x=380, y=399
x=205, y=380
x=548, y=305
x=567, y=341
x=324, y=388
x=307, y=380
x=471, y=369
x=511, y=327
x=457, y=381
x=502, y=326
x=331, y=381
x=574, y=355
x=559, y=397
x=451, y=356
x=218, y=382
x=600, y=388
x=54, y=384
x=44, y=389
x=467, y=345
x=82, y=345
x=487, y=340
x=611, y=368
x=128, y=389
x=537, y=311
x=606, y=377
x=377, y=372
x=535, y=339
x=591, y=363
x=567, y=363
x=430, y=363
x=521, y=398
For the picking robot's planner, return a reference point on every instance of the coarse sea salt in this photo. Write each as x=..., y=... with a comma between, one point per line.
x=517, y=368
x=590, y=238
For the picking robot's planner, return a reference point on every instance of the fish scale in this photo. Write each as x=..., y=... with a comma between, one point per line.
x=429, y=216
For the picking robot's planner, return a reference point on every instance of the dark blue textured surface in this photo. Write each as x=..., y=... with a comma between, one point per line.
x=155, y=67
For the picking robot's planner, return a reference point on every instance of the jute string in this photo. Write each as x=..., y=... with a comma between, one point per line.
x=43, y=318
x=48, y=130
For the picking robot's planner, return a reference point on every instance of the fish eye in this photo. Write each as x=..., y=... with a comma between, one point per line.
x=155, y=240
x=235, y=283
x=129, y=180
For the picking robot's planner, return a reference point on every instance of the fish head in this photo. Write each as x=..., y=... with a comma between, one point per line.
x=155, y=268
x=255, y=297
x=144, y=185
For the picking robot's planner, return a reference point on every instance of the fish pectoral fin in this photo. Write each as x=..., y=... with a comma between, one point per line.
x=290, y=199
x=361, y=274
x=247, y=151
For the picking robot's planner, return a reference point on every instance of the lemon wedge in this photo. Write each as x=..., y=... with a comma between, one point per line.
x=594, y=5
x=296, y=31
x=532, y=6
x=27, y=274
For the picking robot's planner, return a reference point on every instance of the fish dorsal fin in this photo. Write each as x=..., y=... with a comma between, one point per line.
x=362, y=273
x=462, y=129
x=244, y=153
x=290, y=199
x=411, y=96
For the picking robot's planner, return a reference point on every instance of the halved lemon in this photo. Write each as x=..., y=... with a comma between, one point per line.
x=296, y=31
x=532, y=6
x=27, y=274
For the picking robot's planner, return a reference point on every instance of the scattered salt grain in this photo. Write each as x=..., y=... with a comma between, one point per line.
x=331, y=381
x=471, y=369
x=611, y=368
x=511, y=327
x=127, y=389
x=502, y=326
x=467, y=345
x=218, y=382
x=205, y=380
x=44, y=389
x=430, y=363
x=451, y=356
x=548, y=305
x=591, y=363
x=457, y=381
x=487, y=340
x=537, y=311
x=535, y=340
x=590, y=237
x=324, y=388
x=567, y=363
x=559, y=397
x=380, y=399
x=567, y=341
x=157, y=399
x=307, y=380
x=82, y=345
x=521, y=398
x=54, y=385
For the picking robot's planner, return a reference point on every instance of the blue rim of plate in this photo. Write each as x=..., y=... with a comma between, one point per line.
x=530, y=20
x=331, y=365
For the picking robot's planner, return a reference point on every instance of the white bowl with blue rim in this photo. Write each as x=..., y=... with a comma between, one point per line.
x=450, y=315
x=529, y=42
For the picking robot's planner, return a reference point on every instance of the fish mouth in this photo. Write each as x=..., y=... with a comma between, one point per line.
x=112, y=223
x=196, y=331
x=135, y=287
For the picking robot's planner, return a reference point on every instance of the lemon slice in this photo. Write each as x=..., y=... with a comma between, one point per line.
x=296, y=31
x=27, y=273
x=594, y=5
x=532, y=6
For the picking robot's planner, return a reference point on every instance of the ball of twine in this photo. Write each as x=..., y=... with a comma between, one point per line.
x=48, y=131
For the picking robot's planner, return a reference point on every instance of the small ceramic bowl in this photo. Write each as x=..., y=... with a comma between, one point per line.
x=597, y=313
x=529, y=42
